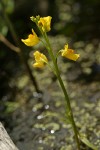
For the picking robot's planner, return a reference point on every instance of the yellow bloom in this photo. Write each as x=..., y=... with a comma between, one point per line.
x=31, y=40
x=45, y=23
x=69, y=53
x=40, y=59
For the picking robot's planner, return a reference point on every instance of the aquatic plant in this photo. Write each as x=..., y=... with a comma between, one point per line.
x=44, y=25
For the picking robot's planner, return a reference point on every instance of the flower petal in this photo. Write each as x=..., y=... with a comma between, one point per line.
x=69, y=53
x=40, y=59
x=31, y=40
x=45, y=23
x=38, y=65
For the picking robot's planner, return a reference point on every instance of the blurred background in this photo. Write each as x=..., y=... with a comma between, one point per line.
x=24, y=90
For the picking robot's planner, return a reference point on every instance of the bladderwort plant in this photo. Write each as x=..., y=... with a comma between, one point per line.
x=44, y=25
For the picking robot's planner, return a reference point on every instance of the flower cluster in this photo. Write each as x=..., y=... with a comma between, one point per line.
x=44, y=24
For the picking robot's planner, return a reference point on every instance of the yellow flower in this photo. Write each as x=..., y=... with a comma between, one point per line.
x=31, y=40
x=69, y=53
x=45, y=23
x=40, y=59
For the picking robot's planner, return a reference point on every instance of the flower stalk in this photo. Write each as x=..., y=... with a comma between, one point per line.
x=68, y=106
x=43, y=24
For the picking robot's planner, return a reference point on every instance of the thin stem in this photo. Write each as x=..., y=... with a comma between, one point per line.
x=70, y=114
x=9, y=44
x=18, y=43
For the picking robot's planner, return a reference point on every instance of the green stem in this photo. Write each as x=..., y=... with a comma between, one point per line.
x=70, y=114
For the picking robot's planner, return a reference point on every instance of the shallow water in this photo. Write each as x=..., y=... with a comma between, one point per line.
x=39, y=120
